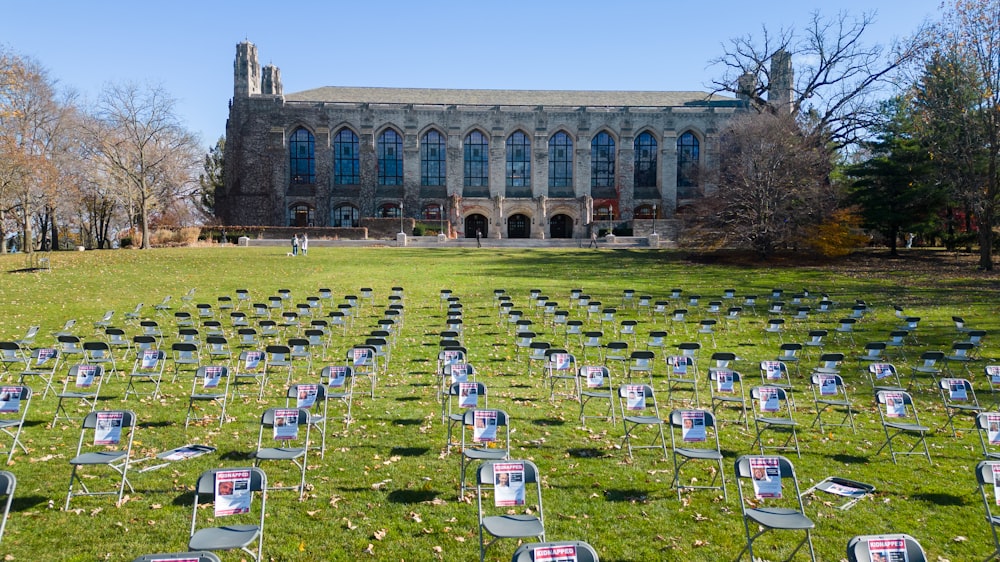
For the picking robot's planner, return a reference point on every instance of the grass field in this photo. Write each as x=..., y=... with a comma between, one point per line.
x=388, y=490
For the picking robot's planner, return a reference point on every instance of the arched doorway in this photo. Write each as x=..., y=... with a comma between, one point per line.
x=561, y=226
x=474, y=223
x=518, y=226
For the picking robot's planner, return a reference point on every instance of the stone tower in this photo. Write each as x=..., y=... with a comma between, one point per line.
x=779, y=92
x=246, y=71
x=270, y=82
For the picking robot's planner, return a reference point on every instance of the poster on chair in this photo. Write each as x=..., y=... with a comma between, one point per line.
x=484, y=427
x=765, y=473
x=253, y=359
x=724, y=381
x=338, y=375
x=887, y=550
x=595, y=377
x=468, y=395
x=993, y=428
x=286, y=424
x=555, y=553
x=85, y=375
x=956, y=390
x=560, y=361
x=108, y=430
x=508, y=483
x=635, y=398
x=993, y=372
x=149, y=358
x=10, y=399
x=212, y=377
x=693, y=426
x=459, y=372
x=772, y=370
x=827, y=385
x=232, y=492
x=306, y=396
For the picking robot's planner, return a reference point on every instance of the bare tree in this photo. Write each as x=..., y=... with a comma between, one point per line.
x=142, y=143
x=773, y=186
x=838, y=79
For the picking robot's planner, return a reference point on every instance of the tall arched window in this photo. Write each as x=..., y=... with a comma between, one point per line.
x=390, y=158
x=645, y=161
x=602, y=161
x=345, y=158
x=687, y=165
x=477, y=160
x=302, y=157
x=432, y=159
x=518, y=160
x=560, y=160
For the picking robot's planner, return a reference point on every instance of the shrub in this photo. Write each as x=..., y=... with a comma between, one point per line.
x=418, y=230
x=839, y=235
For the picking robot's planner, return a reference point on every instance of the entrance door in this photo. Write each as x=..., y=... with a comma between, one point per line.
x=474, y=223
x=561, y=226
x=518, y=226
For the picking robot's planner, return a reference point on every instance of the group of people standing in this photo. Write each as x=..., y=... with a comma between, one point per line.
x=300, y=243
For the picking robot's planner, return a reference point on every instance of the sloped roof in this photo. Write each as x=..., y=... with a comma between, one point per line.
x=574, y=98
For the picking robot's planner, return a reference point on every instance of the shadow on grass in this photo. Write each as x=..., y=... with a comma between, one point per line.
x=938, y=498
x=156, y=424
x=549, y=423
x=236, y=456
x=629, y=496
x=408, y=422
x=849, y=459
x=586, y=453
x=408, y=399
x=409, y=451
x=24, y=503
x=411, y=496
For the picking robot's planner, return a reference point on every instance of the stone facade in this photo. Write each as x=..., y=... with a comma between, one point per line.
x=260, y=188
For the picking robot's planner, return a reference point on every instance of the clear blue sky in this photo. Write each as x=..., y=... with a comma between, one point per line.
x=188, y=47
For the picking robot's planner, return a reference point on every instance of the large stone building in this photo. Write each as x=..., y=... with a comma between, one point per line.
x=518, y=164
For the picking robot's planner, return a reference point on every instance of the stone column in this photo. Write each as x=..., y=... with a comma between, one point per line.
x=625, y=177
x=412, y=205
x=324, y=177
x=668, y=172
x=368, y=174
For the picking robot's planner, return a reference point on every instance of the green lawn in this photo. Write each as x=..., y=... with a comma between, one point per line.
x=388, y=490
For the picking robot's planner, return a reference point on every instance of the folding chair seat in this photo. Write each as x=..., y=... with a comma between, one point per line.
x=183, y=319
x=71, y=348
x=183, y=556
x=185, y=356
x=788, y=353
x=147, y=369
x=560, y=371
x=459, y=398
x=815, y=341
x=522, y=343
x=874, y=352
x=883, y=376
x=988, y=477
x=961, y=354
x=218, y=350
x=509, y=482
x=692, y=433
x=958, y=397
x=210, y=384
x=774, y=327
x=678, y=320
x=866, y=548
x=775, y=373
x=110, y=444
x=104, y=322
x=537, y=353
x=300, y=352
x=769, y=508
x=42, y=364
x=725, y=389
x=339, y=382
x=899, y=418
x=289, y=428
x=14, y=404
x=773, y=412
x=232, y=491
x=118, y=341
x=152, y=329
x=682, y=376
x=593, y=382
x=82, y=383
x=134, y=315
x=278, y=359
x=640, y=366
x=485, y=437
x=574, y=329
x=250, y=370
x=988, y=428
x=706, y=328
x=928, y=365
x=640, y=413
x=577, y=551
x=845, y=329
x=363, y=360
x=626, y=330
x=11, y=355
x=830, y=394
x=732, y=317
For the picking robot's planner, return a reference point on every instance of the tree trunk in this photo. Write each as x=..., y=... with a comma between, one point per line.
x=55, y=231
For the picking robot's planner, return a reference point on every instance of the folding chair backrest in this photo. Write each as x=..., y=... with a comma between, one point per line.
x=867, y=548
